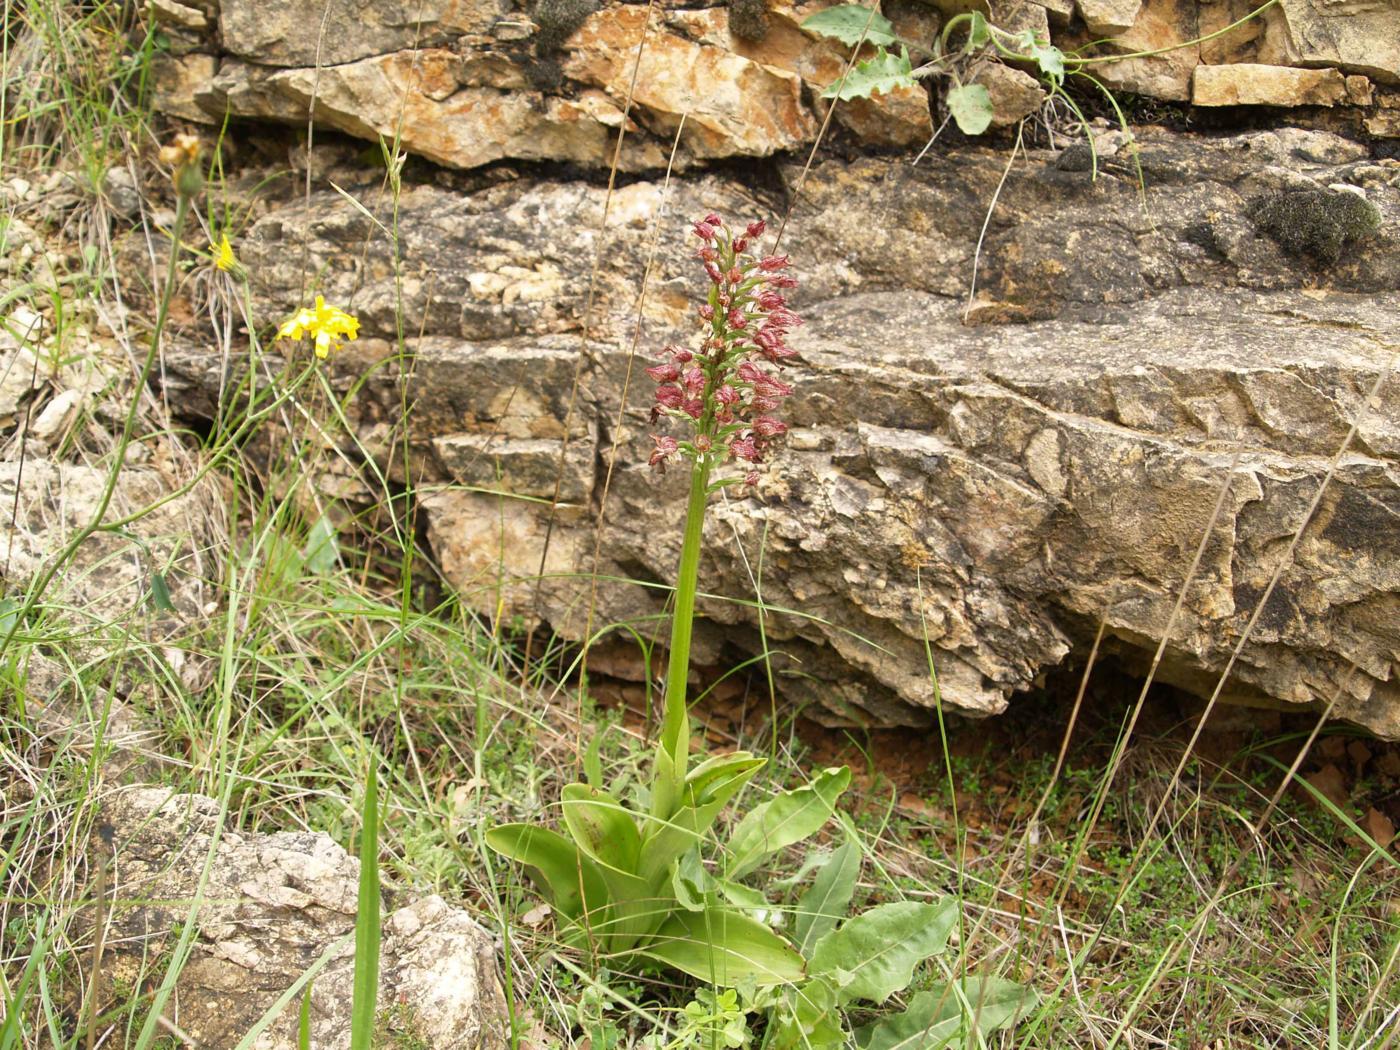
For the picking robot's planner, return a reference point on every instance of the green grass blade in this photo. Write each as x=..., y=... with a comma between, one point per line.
x=367, y=931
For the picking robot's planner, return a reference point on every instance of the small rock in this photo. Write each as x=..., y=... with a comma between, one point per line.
x=119, y=187
x=18, y=376
x=1248, y=84
x=25, y=324
x=1109, y=17
x=172, y=13
x=1015, y=95
x=56, y=417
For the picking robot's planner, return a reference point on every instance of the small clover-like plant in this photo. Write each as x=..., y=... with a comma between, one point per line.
x=629, y=882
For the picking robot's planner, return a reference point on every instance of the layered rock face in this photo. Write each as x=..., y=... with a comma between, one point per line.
x=995, y=474
x=469, y=82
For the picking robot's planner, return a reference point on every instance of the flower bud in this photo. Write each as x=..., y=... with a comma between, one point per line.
x=704, y=231
x=751, y=479
x=713, y=220
x=712, y=271
x=741, y=244
x=669, y=396
x=773, y=263
x=694, y=408
x=735, y=275
x=744, y=448
x=664, y=373
x=767, y=427
x=706, y=312
x=727, y=395
x=737, y=318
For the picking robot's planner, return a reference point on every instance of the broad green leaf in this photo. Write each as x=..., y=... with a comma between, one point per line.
x=690, y=881
x=979, y=34
x=571, y=881
x=745, y=897
x=365, y=990
x=808, y=1018
x=601, y=827
x=873, y=955
x=725, y=947
x=707, y=789
x=935, y=1018
x=827, y=899
x=1051, y=61
x=882, y=74
x=322, y=551
x=850, y=24
x=603, y=830
x=593, y=761
x=971, y=106
x=160, y=593
x=788, y=818
x=9, y=616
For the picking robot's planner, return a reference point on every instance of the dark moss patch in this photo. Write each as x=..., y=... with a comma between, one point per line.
x=748, y=19
x=1315, y=225
x=558, y=19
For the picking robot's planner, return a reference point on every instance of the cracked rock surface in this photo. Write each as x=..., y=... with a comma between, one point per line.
x=273, y=906
x=1000, y=474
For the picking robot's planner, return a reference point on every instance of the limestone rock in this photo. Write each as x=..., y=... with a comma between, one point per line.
x=109, y=579
x=733, y=106
x=461, y=86
x=176, y=83
x=1160, y=25
x=1357, y=36
x=1108, y=17
x=998, y=486
x=1014, y=94
x=275, y=904
x=1245, y=84
x=312, y=32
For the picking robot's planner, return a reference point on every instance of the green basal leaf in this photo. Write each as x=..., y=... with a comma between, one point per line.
x=707, y=789
x=690, y=882
x=971, y=106
x=873, y=955
x=938, y=1017
x=808, y=1018
x=850, y=24
x=883, y=74
x=160, y=594
x=322, y=551
x=570, y=881
x=601, y=827
x=724, y=947
x=784, y=820
x=827, y=899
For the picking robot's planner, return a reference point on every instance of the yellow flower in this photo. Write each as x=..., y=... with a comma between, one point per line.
x=224, y=258
x=326, y=324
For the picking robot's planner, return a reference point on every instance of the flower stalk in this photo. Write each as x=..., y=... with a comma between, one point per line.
x=724, y=401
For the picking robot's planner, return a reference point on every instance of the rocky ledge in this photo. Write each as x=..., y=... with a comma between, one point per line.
x=997, y=475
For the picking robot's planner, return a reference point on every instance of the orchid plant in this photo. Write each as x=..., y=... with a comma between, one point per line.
x=629, y=881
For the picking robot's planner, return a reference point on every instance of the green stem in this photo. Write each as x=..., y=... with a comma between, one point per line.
x=36, y=590
x=675, y=735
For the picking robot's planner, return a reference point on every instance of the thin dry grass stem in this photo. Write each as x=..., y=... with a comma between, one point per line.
x=1193, y=931
x=620, y=423
x=586, y=335
x=1285, y=560
x=1121, y=747
x=1024, y=850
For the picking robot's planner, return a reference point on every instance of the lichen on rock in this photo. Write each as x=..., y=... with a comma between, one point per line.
x=748, y=19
